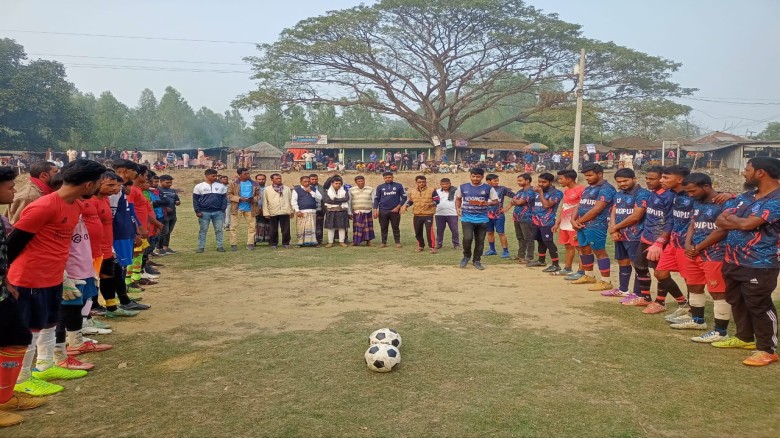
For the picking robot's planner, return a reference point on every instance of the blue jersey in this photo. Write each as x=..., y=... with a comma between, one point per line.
x=625, y=202
x=681, y=218
x=522, y=213
x=502, y=192
x=472, y=196
x=756, y=248
x=542, y=216
x=703, y=217
x=124, y=223
x=658, y=215
x=601, y=192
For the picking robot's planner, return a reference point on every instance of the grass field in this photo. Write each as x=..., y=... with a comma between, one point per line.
x=271, y=343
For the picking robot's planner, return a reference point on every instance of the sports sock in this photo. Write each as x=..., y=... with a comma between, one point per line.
x=667, y=286
x=624, y=274
x=45, y=347
x=29, y=356
x=492, y=246
x=697, y=307
x=586, y=262
x=637, y=291
x=85, y=313
x=722, y=315
x=604, y=268
x=11, y=357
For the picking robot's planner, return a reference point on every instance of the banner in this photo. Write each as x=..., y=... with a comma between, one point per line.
x=591, y=148
x=448, y=144
x=310, y=139
x=461, y=143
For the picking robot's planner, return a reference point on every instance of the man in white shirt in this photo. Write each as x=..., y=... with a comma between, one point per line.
x=556, y=159
x=446, y=213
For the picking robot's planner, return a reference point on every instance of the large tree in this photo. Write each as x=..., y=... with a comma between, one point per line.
x=35, y=100
x=439, y=63
x=176, y=117
x=771, y=132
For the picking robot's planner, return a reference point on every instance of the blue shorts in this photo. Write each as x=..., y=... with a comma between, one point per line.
x=595, y=238
x=626, y=250
x=124, y=251
x=497, y=224
x=39, y=308
x=88, y=291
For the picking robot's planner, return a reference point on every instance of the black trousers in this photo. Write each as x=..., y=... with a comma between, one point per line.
x=425, y=222
x=749, y=291
x=388, y=218
x=474, y=233
x=283, y=222
x=318, y=225
x=114, y=287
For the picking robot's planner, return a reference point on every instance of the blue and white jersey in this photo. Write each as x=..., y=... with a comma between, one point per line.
x=473, y=202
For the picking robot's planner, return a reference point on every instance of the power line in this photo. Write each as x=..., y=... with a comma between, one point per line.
x=135, y=37
x=729, y=102
x=154, y=68
x=139, y=59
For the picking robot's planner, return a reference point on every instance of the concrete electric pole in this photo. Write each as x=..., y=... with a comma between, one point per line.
x=578, y=69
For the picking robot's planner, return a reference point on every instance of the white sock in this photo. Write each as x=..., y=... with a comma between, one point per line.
x=46, y=342
x=85, y=310
x=722, y=310
x=29, y=356
x=75, y=338
x=60, y=352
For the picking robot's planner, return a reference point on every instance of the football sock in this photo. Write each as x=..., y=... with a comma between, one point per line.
x=11, y=357
x=644, y=282
x=29, y=356
x=604, y=268
x=624, y=275
x=553, y=253
x=586, y=261
x=45, y=346
x=722, y=316
x=667, y=286
x=492, y=246
x=697, y=307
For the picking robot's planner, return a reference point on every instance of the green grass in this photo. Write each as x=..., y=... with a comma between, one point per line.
x=476, y=373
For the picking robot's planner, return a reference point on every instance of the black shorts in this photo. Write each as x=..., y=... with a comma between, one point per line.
x=640, y=259
x=107, y=268
x=542, y=233
x=626, y=250
x=13, y=332
x=40, y=307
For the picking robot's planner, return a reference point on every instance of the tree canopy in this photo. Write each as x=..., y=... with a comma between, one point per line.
x=35, y=99
x=439, y=63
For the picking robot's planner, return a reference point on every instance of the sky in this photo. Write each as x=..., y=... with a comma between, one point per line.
x=730, y=50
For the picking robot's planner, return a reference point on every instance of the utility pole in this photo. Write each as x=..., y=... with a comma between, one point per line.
x=580, y=69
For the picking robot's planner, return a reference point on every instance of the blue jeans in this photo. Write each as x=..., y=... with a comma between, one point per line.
x=218, y=218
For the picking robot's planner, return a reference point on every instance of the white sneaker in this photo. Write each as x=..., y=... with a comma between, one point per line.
x=709, y=337
x=680, y=319
x=96, y=331
x=86, y=339
x=148, y=276
x=689, y=325
x=681, y=311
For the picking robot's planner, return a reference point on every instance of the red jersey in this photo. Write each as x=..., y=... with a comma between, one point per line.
x=89, y=214
x=107, y=220
x=42, y=261
x=139, y=202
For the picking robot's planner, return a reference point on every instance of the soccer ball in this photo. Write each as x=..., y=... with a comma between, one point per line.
x=385, y=336
x=382, y=358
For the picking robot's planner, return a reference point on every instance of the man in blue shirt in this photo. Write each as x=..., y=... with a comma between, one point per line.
x=523, y=202
x=591, y=225
x=625, y=228
x=243, y=195
x=545, y=206
x=496, y=217
x=472, y=203
x=388, y=199
x=752, y=263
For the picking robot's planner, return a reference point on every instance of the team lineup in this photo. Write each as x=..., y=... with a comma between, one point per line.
x=88, y=231
x=720, y=243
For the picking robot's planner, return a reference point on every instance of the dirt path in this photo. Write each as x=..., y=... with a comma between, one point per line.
x=281, y=301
